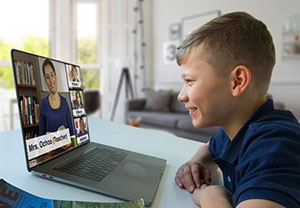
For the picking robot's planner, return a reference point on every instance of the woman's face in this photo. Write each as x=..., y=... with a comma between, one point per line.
x=74, y=72
x=82, y=126
x=78, y=98
x=50, y=79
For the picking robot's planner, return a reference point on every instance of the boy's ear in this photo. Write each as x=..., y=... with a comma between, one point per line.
x=240, y=80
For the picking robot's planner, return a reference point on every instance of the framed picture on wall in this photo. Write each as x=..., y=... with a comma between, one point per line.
x=169, y=52
x=190, y=23
x=291, y=45
x=175, y=31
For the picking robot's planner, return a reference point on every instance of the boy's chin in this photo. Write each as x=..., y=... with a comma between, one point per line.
x=197, y=124
x=200, y=124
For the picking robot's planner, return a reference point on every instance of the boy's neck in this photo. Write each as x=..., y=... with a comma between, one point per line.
x=241, y=116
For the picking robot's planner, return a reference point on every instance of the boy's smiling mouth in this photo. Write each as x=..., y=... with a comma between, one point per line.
x=192, y=110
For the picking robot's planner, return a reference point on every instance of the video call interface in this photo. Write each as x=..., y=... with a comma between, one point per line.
x=50, y=96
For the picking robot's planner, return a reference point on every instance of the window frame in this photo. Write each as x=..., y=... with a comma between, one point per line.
x=97, y=65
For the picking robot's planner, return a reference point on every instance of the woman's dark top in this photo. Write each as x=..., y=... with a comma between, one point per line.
x=51, y=119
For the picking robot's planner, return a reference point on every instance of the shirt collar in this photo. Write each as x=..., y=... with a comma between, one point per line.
x=233, y=149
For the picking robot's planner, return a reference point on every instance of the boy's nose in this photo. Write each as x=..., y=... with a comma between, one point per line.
x=182, y=96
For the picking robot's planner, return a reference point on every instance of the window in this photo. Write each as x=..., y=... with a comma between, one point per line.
x=86, y=41
x=25, y=26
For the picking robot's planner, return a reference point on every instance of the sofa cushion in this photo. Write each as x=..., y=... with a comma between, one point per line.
x=157, y=100
x=175, y=105
x=163, y=119
x=135, y=104
x=186, y=123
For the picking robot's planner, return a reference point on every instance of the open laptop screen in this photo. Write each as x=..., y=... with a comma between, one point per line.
x=50, y=98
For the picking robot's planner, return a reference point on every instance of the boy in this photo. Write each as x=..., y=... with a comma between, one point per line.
x=226, y=66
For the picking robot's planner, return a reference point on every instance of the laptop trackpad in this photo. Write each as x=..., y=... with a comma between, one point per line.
x=134, y=180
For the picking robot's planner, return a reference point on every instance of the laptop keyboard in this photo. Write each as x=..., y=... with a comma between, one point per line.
x=93, y=165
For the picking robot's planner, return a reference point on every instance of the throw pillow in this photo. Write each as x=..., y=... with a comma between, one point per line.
x=157, y=100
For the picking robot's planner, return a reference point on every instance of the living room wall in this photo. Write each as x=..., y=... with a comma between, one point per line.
x=119, y=21
x=285, y=82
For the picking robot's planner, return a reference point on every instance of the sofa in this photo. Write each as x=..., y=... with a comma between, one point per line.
x=161, y=110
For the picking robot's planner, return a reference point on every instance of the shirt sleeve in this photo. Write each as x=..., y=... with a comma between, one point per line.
x=213, y=146
x=218, y=143
x=270, y=169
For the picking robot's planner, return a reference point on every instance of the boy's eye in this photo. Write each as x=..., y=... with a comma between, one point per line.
x=188, y=81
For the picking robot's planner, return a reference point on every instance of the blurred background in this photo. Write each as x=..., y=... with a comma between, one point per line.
x=104, y=36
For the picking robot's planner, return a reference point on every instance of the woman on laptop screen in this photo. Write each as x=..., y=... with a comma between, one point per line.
x=77, y=103
x=54, y=110
x=74, y=74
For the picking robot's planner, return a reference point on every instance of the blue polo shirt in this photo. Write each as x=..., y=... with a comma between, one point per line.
x=263, y=159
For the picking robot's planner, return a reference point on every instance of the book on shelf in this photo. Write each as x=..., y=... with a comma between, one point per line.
x=29, y=110
x=30, y=134
x=11, y=196
x=24, y=73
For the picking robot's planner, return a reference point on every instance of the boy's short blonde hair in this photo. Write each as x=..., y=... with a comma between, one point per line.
x=234, y=39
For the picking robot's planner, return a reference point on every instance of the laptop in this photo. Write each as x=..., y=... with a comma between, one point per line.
x=56, y=134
